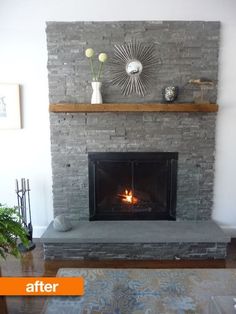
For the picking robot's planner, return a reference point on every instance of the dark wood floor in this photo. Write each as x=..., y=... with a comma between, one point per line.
x=32, y=264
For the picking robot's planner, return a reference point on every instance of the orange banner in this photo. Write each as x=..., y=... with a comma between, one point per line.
x=41, y=286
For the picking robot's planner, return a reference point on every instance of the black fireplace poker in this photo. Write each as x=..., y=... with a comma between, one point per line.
x=23, y=200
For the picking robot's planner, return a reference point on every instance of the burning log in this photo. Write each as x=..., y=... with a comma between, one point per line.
x=128, y=197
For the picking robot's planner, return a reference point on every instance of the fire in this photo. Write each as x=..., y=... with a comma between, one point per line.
x=128, y=197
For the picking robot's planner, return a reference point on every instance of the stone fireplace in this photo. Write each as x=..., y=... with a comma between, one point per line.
x=183, y=143
x=187, y=50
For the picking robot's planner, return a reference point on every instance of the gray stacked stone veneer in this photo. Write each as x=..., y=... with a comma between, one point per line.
x=134, y=251
x=188, y=50
x=192, y=135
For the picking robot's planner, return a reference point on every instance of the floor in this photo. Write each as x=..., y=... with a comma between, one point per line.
x=32, y=264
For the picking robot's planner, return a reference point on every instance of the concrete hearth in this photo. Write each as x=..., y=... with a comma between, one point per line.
x=141, y=240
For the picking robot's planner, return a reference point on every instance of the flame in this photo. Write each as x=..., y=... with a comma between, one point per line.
x=128, y=197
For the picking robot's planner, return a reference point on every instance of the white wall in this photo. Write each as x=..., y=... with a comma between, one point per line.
x=23, y=58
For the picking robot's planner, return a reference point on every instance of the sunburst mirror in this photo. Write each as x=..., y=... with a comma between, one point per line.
x=133, y=67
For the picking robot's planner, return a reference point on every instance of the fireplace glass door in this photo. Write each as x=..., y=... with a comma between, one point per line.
x=132, y=186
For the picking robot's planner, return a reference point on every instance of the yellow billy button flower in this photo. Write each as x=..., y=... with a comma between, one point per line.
x=89, y=53
x=102, y=57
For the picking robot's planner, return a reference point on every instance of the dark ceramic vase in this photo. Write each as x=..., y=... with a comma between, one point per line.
x=170, y=93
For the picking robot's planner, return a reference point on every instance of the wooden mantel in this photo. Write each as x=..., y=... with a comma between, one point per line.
x=133, y=107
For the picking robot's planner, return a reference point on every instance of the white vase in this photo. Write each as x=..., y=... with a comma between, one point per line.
x=96, y=95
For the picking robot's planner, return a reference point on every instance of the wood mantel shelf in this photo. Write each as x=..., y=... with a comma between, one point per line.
x=133, y=107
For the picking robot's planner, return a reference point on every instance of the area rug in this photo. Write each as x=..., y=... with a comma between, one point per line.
x=144, y=291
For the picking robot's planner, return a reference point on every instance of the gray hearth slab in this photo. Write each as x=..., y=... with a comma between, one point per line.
x=138, y=232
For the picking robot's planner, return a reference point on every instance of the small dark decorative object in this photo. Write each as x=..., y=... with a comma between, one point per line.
x=23, y=198
x=170, y=93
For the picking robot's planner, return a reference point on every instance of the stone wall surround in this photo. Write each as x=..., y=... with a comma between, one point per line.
x=192, y=135
x=188, y=50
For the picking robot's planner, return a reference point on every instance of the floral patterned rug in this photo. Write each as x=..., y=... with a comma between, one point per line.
x=144, y=291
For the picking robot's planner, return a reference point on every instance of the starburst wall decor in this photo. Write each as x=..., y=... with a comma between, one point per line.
x=133, y=67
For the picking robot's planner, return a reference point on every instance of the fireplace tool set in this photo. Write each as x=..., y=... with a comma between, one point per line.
x=23, y=199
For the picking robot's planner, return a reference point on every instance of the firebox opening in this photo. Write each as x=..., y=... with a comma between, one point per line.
x=132, y=186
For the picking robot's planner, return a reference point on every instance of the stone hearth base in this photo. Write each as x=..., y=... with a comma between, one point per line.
x=136, y=251
x=137, y=240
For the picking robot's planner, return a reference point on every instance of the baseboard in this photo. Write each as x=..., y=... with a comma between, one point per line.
x=38, y=231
